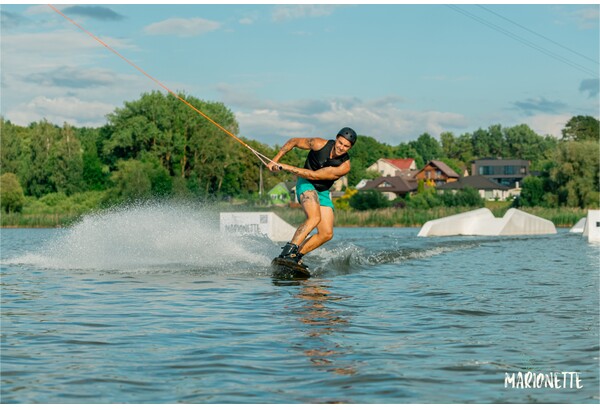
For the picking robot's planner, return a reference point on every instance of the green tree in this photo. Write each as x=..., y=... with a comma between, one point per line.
x=12, y=198
x=488, y=143
x=362, y=201
x=13, y=141
x=427, y=147
x=532, y=192
x=95, y=173
x=405, y=150
x=131, y=181
x=468, y=196
x=38, y=155
x=575, y=174
x=465, y=148
x=581, y=128
x=66, y=162
x=523, y=143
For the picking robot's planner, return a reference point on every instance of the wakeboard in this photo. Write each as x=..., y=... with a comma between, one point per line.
x=286, y=269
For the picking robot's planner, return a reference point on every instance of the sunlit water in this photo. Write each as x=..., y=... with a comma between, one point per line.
x=154, y=305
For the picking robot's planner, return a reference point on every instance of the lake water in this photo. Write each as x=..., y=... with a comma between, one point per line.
x=154, y=305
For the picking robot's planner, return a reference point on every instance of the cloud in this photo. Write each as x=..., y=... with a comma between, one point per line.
x=61, y=109
x=541, y=104
x=182, y=27
x=292, y=12
x=587, y=18
x=274, y=121
x=94, y=12
x=545, y=124
x=591, y=86
x=11, y=20
x=72, y=77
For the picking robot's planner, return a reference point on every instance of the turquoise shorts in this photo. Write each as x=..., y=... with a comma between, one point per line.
x=304, y=185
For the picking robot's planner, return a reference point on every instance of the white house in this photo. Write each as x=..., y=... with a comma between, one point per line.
x=394, y=167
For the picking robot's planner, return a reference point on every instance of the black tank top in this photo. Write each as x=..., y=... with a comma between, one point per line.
x=320, y=159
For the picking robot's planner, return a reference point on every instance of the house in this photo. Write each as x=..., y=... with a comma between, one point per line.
x=437, y=172
x=507, y=172
x=282, y=193
x=390, y=186
x=394, y=167
x=340, y=184
x=487, y=189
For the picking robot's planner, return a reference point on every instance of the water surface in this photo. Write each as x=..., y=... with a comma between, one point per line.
x=156, y=306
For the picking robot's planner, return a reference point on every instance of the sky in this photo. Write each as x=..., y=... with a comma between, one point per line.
x=390, y=71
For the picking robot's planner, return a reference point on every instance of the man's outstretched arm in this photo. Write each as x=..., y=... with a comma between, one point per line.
x=323, y=174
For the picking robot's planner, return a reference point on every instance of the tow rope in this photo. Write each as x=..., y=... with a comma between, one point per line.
x=263, y=158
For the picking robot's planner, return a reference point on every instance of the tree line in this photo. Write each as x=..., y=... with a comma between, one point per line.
x=156, y=146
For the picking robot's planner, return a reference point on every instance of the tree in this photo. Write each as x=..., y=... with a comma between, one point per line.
x=574, y=175
x=12, y=198
x=523, y=143
x=131, y=181
x=581, y=128
x=95, y=173
x=38, y=177
x=427, y=147
x=362, y=201
x=12, y=147
x=488, y=143
x=405, y=150
x=532, y=192
x=66, y=162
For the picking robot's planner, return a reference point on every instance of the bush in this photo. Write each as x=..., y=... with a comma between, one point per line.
x=468, y=197
x=363, y=201
x=11, y=193
x=532, y=192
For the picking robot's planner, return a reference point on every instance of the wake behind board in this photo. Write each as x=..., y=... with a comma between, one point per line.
x=288, y=270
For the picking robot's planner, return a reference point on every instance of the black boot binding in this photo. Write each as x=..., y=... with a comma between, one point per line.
x=290, y=252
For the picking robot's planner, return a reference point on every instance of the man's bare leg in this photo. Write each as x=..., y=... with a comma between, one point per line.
x=324, y=231
x=310, y=203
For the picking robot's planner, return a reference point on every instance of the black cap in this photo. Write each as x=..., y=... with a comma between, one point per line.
x=348, y=133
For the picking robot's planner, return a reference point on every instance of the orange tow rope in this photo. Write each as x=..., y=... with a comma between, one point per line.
x=255, y=152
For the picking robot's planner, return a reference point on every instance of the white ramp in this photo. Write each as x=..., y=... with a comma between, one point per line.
x=257, y=224
x=592, y=226
x=482, y=222
x=579, y=226
x=466, y=223
x=521, y=223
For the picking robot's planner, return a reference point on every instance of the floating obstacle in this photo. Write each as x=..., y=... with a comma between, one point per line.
x=481, y=222
x=579, y=226
x=257, y=224
x=592, y=226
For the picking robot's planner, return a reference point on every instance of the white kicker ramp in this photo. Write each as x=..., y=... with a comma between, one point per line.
x=482, y=222
x=592, y=226
x=466, y=223
x=579, y=226
x=258, y=224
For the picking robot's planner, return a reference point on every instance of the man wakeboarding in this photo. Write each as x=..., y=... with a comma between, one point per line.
x=326, y=162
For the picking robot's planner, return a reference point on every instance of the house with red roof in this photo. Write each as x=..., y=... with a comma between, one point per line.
x=394, y=167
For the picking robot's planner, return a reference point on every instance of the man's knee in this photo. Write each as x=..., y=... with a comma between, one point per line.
x=326, y=235
x=313, y=220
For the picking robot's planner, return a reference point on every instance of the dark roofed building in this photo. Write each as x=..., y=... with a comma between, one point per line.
x=507, y=172
x=487, y=189
x=437, y=172
x=391, y=187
